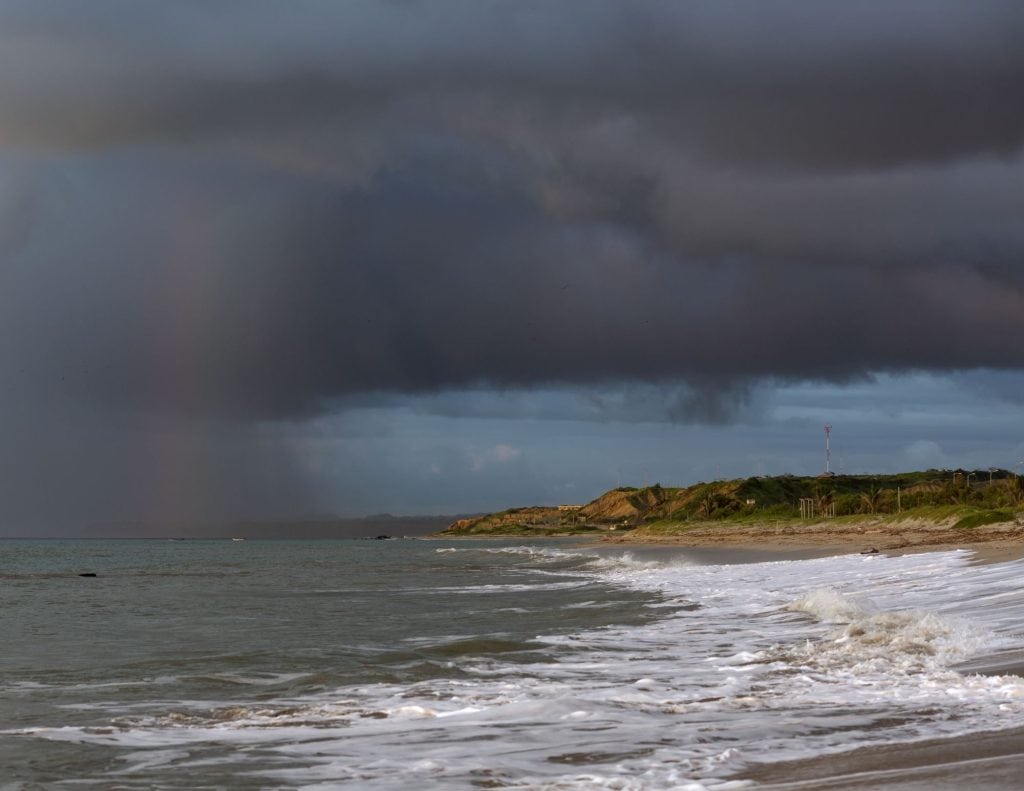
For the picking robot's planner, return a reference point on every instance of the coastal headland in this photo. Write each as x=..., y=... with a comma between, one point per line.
x=933, y=509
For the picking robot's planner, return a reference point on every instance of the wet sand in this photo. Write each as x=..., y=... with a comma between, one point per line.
x=713, y=555
x=991, y=761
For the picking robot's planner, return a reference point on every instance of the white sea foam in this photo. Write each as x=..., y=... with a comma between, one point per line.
x=627, y=561
x=781, y=660
x=827, y=604
x=533, y=552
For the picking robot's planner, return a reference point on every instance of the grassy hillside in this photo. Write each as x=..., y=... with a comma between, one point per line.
x=973, y=497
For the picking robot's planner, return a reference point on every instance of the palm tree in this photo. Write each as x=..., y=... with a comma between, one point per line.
x=871, y=499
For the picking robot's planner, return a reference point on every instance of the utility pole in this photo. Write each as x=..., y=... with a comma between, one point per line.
x=828, y=450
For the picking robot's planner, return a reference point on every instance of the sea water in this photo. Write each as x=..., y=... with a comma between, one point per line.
x=417, y=664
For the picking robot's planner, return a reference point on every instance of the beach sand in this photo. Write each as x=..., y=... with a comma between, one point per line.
x=991, y=761
x=990, y=543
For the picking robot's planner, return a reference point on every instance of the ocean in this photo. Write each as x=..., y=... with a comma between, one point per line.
x=425, y=664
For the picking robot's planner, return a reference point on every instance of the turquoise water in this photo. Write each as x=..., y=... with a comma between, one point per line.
x=479, y=664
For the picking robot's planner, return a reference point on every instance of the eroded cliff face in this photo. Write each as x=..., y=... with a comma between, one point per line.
x=512, y=521
x=619, y=506
x=637, y=505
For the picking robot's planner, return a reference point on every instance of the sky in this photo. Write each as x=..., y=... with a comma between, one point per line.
x=264, y=259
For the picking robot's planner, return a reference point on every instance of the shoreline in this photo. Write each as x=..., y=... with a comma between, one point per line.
x=989, y=759
x=990, y=543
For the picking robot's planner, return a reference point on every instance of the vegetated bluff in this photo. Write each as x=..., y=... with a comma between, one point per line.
x=754, y=499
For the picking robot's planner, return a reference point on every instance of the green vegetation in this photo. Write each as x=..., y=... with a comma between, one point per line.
x=983, y=518
x=972, y=497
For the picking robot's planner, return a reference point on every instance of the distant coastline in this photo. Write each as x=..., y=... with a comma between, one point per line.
x=313, y=528
x=931, y=509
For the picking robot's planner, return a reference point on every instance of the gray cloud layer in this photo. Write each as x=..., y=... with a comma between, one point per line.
x=254, y=210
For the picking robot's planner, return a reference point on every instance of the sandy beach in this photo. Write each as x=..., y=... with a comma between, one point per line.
x=993, y=761
x=991, y=543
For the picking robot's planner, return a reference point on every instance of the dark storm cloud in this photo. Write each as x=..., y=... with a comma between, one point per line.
x=256, y=210
x=796, y=83
x=194, y=289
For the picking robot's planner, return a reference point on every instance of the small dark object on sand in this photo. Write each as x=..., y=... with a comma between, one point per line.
x=869, y=551
x=87, y=574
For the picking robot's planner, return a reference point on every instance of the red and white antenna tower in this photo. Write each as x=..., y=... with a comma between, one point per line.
x=828, y=451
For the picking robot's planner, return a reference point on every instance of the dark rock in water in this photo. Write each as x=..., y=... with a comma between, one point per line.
x=869, y=551
x=87, y=574
x=382, y=538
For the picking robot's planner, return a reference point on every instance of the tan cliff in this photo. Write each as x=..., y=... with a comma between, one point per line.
x=938, y=496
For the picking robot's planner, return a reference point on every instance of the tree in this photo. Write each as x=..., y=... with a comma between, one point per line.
x=871, y=500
